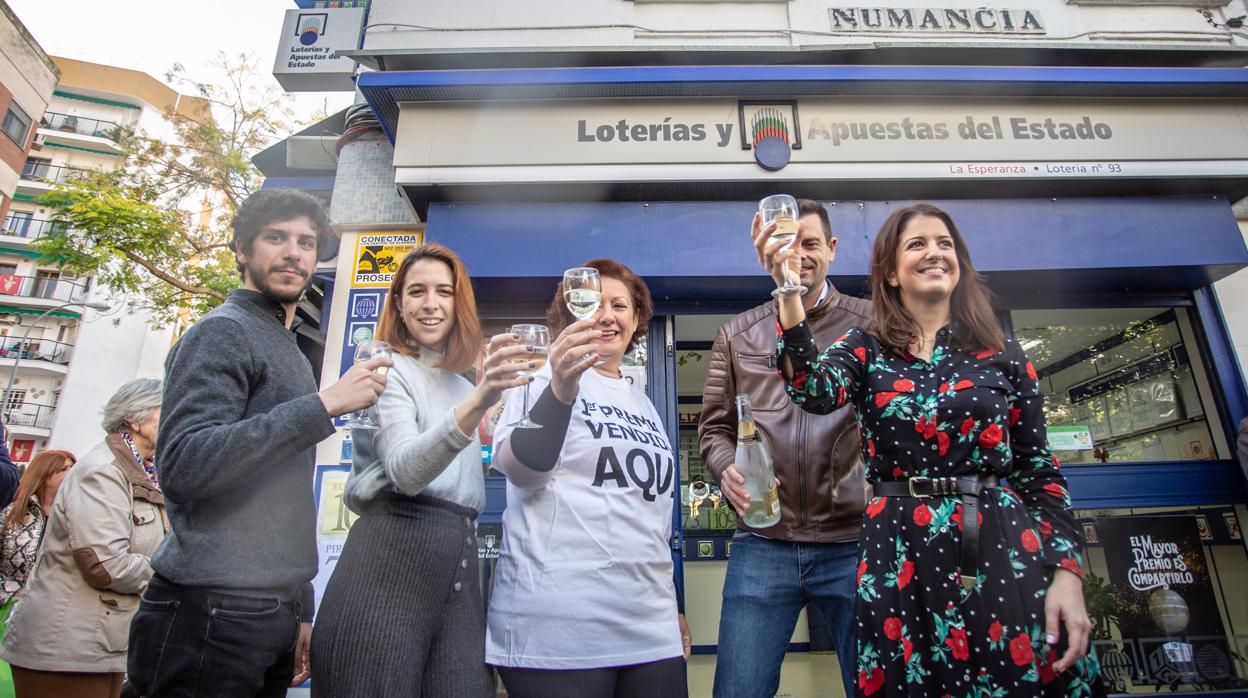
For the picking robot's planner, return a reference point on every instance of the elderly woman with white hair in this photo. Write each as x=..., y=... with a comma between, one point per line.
x=68, y=635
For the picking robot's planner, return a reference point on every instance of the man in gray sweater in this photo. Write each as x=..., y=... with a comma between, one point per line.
x=229, y=609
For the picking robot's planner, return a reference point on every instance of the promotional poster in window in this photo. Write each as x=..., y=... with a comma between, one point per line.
x=1165, y=603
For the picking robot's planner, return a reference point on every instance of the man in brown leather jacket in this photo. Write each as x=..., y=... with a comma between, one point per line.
x=812, y=554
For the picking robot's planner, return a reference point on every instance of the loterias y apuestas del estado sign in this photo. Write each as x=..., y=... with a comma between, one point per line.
x=979, y=20
x=822, y=138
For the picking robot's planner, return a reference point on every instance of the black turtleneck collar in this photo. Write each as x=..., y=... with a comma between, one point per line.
x=264, y=305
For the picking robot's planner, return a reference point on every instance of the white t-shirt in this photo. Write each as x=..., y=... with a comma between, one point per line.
x=584, y=578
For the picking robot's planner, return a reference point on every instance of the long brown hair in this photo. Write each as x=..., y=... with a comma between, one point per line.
x=558, y=316
x=972, y=323
x=43, y=466
x=464, y=341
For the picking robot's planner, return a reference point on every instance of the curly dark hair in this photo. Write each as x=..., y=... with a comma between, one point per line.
x=271, y=205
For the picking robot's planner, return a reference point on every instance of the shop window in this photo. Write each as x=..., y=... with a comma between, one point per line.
x=1164, y=590
x=704, y=511
x=1121, y=384
x=16, y=124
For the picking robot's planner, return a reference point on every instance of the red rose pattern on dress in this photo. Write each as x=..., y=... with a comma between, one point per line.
x=959, y=413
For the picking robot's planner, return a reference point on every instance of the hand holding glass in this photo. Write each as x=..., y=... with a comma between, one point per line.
x=364, y=351
x=537, y=339
x=781, y=209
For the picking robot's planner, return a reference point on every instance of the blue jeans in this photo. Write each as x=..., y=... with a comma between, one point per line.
x=187, y=642
x=768, y=584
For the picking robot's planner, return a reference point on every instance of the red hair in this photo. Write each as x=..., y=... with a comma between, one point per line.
x=464, y=342
x=42, y=467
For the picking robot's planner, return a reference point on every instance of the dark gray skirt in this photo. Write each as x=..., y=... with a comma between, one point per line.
x=402, y=613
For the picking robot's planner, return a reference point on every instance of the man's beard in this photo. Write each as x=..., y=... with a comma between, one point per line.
x=261, y=280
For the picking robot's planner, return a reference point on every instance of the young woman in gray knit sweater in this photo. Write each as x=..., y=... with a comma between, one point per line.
x=402, y=614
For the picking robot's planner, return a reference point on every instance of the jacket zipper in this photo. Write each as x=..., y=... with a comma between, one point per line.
x=801, y=464
x=769, y=358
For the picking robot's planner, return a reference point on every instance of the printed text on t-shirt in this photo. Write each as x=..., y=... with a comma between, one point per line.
x=650, y=470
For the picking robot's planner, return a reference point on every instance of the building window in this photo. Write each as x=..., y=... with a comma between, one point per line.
x=17, y=398
x=1121, y=384
x=46, y=283
x=16, y=124
x=37, y=169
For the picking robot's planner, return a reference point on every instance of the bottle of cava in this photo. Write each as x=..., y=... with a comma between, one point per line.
x=754, y=464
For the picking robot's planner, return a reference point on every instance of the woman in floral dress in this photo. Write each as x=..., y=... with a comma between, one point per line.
x=946, y=406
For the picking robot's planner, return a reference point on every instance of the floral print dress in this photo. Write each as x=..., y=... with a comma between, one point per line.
x=958, y=413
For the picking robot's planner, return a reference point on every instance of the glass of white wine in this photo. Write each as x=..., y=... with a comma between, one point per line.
x=537, y=339
x=781, y=209
x=364, y=419
x=582, y=292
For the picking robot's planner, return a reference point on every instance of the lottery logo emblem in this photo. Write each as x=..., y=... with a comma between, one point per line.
x=771, y=130
x=310, y=27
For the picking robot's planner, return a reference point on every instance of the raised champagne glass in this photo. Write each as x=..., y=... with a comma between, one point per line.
x=365, y=419
x=781, y=209
x=536, y=338
x=582, y=293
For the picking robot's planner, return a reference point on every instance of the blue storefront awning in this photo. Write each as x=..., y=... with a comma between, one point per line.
x=701, y=250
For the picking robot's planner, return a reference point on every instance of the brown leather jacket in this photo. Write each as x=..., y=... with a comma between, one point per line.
x=817, y=458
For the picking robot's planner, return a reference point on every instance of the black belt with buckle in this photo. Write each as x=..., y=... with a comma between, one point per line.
x=966, y=486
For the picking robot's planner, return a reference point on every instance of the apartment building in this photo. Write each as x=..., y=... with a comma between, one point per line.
x=67, y=358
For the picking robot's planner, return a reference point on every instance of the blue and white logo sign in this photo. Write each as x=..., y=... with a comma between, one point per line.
x=310, y=27
x=308, y=53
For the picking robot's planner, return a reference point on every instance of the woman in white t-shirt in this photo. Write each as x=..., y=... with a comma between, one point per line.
x=583, y=601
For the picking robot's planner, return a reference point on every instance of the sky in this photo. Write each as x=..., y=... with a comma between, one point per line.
x=152, y=35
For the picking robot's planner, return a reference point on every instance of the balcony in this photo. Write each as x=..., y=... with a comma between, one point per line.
x=79, y=124
x=38, y=178
x=48, y=350
x=49, y=174
x=97, y=135
x=60, y=290
x=29, y=228
x=27, y=415
x=42, y=356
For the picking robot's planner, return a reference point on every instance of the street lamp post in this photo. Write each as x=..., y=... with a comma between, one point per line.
x=8, y=388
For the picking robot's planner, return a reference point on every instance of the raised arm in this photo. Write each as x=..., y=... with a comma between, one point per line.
x=528, y=456
x=205, y=446
x=413, y=454
x=821, y=383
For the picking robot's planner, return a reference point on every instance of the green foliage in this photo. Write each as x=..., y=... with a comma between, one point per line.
x=156, y=229
x=1098, y=596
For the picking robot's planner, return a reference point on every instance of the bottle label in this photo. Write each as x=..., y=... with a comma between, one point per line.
x=771, y=502
x=747, y=433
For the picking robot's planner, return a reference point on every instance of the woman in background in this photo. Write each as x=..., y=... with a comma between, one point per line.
x=69, y=634
x=21, y=531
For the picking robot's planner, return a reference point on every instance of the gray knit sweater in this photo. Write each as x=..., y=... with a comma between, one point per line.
x=419, y=448
x=235, y=454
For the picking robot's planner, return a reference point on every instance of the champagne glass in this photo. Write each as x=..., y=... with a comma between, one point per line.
x=781, y=209
x=537, y=339
x=369, y=349
x=582, y=292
